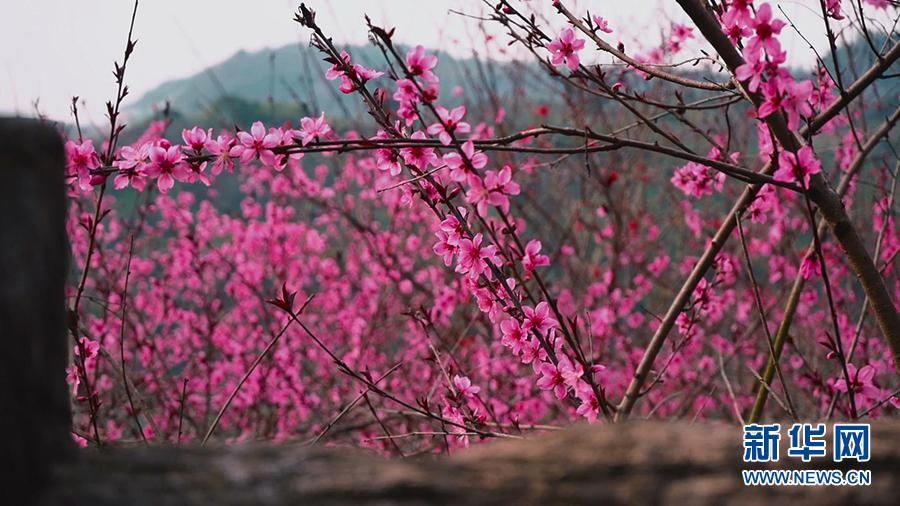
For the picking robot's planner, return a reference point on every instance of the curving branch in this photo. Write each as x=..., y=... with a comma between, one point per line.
x=652, y=70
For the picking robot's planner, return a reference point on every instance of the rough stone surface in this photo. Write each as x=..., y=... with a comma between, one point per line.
x=34, y=404
x=634, y=463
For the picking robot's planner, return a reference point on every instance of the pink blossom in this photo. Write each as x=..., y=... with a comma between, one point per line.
x=763, y=204
x=789, y=96
x=502, y=186
x=754, y=71
x=738, y=12
x=221, y=149
x=473, y=257
x=797, y=103
x=478, y=194
x=570, y=371
x=454, y=415
x=810, y=267
x=446, y=246
x=601, y=24
x=131, y=158
x=366, y=74
x=532, y=351
x=552, y=379
x=655, y=56
x=131, y=163
x=430, y=263
x=797, y=167
x=565, y=49
x=533, y=258
x=91, y=348
x=538, y=319
x=450, y=124
x=861, y=383
x=494, y=190
x=590, y=405
x=736, y=32
x=833, y=7
x=421, y=64
x=195, y=138
x=359, y=75
x=314, y=128
x=766, y=31
x=514, y=337
x=457, y=163
x=658, y=265
x=132, y=178
x=73, y=378
x=765, y=141
x=407, y=93
x=82, y=159
x=500, y=115
x=337, y=69
x=464, y=386
x=418, y=156
x=824, y=88
x=167, y=165
x=387, y=159
x=697, y=180
x=80, y=441
x=452, y=226
x=680, y=34
x=257, y=143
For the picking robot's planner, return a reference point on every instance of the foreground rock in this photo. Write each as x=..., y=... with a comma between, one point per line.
x=635, y=463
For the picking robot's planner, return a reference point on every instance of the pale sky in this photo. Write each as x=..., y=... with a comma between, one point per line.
x=54, y=49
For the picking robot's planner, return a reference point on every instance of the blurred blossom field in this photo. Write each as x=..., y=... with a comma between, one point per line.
x=413, y=252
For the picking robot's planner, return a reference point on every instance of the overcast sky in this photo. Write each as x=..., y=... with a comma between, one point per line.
x=54, y=49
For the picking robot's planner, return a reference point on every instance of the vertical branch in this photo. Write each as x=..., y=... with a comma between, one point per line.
x=134, y=413
x=838, y=342
x=762, y=317
x=114, y=130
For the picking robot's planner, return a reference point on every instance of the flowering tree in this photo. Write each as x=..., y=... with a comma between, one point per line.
x=440, y=274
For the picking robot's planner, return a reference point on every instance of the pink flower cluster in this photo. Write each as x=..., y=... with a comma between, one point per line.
x=764, y=71
x=565, y=49
x=352, y=75
x=482, y=289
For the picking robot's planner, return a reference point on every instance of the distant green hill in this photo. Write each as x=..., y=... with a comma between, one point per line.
x=276, y=85
x=283, y=84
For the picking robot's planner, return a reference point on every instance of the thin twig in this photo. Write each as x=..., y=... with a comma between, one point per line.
x=134, y=412
x=259, y=358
